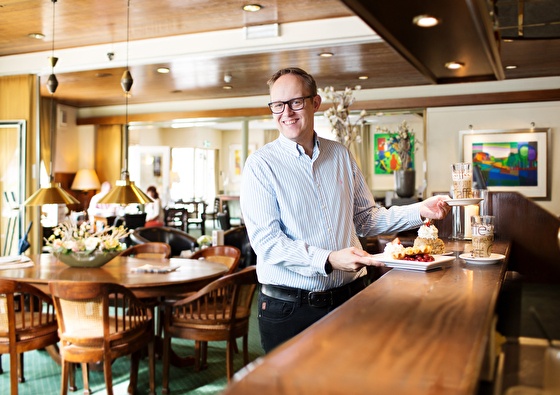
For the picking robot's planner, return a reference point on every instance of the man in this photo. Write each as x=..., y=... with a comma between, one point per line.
x=305, y=202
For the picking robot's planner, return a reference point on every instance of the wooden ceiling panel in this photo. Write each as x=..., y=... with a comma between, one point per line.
x=103, y=22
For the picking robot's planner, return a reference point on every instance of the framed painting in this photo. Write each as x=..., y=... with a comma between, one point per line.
x=511, y=160
x=386, y=159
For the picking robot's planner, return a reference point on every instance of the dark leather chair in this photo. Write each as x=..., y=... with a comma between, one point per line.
x=224, y=220
x=238, y=237
x=177, y=239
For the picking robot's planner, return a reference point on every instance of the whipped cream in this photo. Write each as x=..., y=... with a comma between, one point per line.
x=428, y=231
x=391, y=248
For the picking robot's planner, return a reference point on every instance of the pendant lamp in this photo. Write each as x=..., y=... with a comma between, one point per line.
x=51, y=193
x=125, y=192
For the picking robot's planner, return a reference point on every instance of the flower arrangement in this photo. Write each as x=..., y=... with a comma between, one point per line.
x=339, y=115
x=204, y=241
x=69, y=238
x=403, y=144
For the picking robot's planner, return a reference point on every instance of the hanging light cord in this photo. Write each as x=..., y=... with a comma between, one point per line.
x=127, y=92
x=53, y=112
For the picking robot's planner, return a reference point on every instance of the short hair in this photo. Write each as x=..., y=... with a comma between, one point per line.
x=306, y=78
x=153, y=189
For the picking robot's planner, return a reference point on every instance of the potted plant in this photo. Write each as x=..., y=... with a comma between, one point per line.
x=403, y=144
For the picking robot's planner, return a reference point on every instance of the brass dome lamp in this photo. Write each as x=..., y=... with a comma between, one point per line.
x=125, y=192
x=52, y=192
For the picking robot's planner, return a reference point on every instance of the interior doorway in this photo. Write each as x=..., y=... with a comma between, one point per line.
x=12, y=184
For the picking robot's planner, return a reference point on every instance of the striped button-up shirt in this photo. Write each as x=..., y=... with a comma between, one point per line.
x=298, y=210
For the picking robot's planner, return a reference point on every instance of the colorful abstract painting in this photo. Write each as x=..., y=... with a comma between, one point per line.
x=386, y=159
x=508, y=164
x=511, y=160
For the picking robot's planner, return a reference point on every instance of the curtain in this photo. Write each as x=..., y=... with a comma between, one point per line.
x=109, y=153
x=46, y=113
x=363, y=153
x=19, y=100
x=270, y=135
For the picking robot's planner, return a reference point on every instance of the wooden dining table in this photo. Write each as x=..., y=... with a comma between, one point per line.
x=408, y=333
x=190, y=276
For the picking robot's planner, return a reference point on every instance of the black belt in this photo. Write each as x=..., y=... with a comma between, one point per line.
x=332, y=297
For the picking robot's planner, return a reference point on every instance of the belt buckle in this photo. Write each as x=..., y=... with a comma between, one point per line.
x=319, y=299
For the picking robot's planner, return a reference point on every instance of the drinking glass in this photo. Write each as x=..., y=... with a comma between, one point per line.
x=461, y=174
x=482, y=228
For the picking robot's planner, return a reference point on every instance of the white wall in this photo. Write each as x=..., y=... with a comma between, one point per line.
x=444, y=125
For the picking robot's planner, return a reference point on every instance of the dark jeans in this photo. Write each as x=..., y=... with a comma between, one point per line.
x=280, y=320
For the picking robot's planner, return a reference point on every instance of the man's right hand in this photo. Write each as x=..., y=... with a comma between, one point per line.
x=351, y=259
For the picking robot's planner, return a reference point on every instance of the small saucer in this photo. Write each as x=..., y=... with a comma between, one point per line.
x=493, y=258
x=463, y=202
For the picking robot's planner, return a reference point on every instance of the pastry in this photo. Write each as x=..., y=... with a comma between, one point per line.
x=428, y=236
x=395, y=250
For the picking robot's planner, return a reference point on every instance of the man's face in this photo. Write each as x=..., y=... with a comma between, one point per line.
x=294, y=125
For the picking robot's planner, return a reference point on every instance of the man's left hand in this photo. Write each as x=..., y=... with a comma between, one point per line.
x=435, y=207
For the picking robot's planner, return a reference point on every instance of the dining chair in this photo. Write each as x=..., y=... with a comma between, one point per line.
x=226, y=255
x=219, y=311
x=151, y=250
x=102, y=322
x=239, y=238
x=27, y=322
x=213, y=214
x=177, y=239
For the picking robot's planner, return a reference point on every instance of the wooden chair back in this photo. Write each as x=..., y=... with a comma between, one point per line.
x=226, y=255
x=219, y=311
x=152, y=250
x=27, y=322
x=101, y=322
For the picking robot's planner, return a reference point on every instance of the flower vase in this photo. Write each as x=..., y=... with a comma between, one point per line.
x=405, y=183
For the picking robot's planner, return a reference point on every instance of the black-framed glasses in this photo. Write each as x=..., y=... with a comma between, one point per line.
x=296, y=104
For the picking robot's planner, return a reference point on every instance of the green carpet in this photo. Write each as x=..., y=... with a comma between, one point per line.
x=42, y=374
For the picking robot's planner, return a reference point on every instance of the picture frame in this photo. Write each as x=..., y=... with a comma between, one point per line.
x=386, y=159
x=511, y=160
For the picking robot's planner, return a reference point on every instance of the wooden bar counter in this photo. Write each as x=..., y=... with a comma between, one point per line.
x=409, y=332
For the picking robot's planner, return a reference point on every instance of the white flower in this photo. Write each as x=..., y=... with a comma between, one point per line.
x=339, y=115
x=91, y=243
x=67, y=237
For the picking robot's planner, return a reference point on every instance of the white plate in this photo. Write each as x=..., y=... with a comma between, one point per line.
x=463, y=202
x=438, y=262
x=10, y=259
x=493, y=258
x=447, y=253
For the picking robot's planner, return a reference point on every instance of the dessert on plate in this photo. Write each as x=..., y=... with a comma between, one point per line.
x=428, y=236
x=395, y=250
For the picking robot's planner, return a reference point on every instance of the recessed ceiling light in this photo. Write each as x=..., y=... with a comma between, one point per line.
x=454, y=65
x=163, y=70
x=326, y=54
x=511, y=67
x=363, y=77
x=252, y=7
x=425, y=21
x=103, y=75
x=227, y=87
x=38, y=36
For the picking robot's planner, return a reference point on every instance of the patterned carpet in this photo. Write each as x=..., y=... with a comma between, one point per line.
x=42, y=374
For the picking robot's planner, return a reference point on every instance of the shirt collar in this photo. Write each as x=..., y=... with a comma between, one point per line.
x=294, y=148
